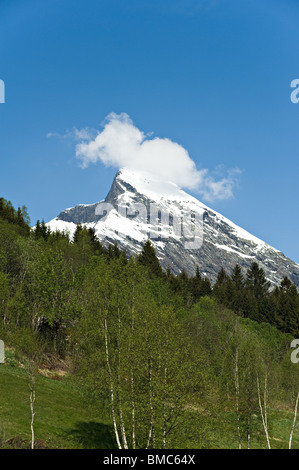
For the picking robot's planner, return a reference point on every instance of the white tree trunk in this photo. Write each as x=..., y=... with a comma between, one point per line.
x=32, y=401
x=111, y=386
x=133, y=412
x=120, y=412
x=248, y=425
x=132, y=375
x=122, y=425
x=263, y=412
x=165, y=410
x=294, y=421
x=237, y=390
x=151, y=435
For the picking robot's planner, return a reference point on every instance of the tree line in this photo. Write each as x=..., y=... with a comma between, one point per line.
x=176, y=361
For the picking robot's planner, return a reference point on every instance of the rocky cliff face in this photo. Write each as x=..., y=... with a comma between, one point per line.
x=184, y=232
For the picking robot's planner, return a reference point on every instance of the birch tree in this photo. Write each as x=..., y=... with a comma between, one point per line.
x=30, y=351
x=290, y=387
x=294, y=425
x=141, y=351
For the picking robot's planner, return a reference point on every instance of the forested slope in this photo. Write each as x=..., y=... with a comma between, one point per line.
x=173, y=360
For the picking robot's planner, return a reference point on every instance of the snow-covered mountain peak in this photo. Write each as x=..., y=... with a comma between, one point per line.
x=141, y=206
x=158, y=190
x=152, y=186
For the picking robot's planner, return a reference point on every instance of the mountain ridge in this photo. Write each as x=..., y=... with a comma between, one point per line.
x=157, y=205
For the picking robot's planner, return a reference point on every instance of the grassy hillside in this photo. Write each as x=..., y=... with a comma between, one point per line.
x=64, y=418
x=281, y=422
x=67, y=419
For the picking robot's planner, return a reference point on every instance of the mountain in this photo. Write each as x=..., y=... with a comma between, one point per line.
x=141, y=206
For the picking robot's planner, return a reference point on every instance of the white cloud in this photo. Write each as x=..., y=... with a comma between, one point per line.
x=222, y=189
x=121, y=144
x=75, y=134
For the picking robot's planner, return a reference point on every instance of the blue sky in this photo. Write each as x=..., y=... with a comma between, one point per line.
x=213, y=76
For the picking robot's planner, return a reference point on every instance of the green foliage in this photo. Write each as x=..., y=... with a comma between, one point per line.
x=172, y=348
x=149, y=259
x=10, y=214
x=128, y=343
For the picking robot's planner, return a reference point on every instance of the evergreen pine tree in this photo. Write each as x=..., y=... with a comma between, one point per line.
x=149, y=259
x=78, y=230
x=237, y=277
x=220, y=287
x=238, y=301
x=113, y=251
x=38, y=230
x=287, y=314
x=256, y=281
x=206, y=288
x=196, y=285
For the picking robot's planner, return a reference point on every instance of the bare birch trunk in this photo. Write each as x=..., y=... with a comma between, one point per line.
x=164, y=414
x=132, y=376
x=263, y=412
x=122, y=425
x=149, y=438
x=120, y=412
x=133, y=412
x=32, y=402
x=248, y=426
x=265, y=401
x=237, y=389
x=151, y=434
x=294, y=421
x=111, y=386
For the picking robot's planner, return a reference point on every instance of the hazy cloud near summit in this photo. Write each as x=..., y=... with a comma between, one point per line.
x=121, y=144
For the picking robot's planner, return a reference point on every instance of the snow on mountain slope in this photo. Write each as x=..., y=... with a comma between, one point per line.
x=158, y=190
x=141, y=206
